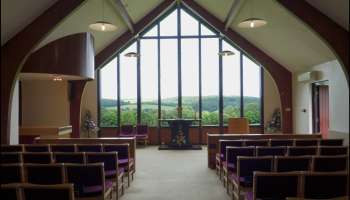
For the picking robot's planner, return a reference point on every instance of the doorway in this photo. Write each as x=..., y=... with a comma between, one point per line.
x=320, y=108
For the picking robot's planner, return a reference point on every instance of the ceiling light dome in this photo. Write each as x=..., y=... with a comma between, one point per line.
x=102, y=26
x=132, y=55
x=252, y=23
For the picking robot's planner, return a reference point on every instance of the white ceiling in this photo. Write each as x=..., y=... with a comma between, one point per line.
x=285, y=38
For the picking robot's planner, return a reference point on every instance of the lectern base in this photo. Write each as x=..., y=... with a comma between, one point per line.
x=178, y=147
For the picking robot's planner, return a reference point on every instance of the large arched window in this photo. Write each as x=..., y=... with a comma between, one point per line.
x=178, y=65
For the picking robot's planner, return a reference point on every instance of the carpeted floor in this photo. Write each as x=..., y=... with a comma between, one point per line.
x=174, y=175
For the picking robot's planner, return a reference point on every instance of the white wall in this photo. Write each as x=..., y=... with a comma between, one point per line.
x=338, y=101
x=14, y=115
x=272, y=100
x=45, y=103
x=89, y=102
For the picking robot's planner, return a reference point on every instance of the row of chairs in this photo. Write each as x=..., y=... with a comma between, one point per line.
x=230, y=154
x=241, y=175
x=299, y=185
x=245, y=166
x=89, y=180
x=140, y=132
x=26, y=191
x=110, y=159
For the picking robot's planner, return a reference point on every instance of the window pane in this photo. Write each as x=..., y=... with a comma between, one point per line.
x=251, y=90
x=169, y=78
x=151, y=32
x=210, y=81
x=128, y=87
x=168, y=26
x=190, y=73
x=108, y=88
x=231, y=82
x=189, y=25
x=206, y=31
x=149, y=82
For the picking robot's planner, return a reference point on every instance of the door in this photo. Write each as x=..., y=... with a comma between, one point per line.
x=320, y=105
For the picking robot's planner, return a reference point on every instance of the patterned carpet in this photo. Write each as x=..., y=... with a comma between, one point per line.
x=174, y=175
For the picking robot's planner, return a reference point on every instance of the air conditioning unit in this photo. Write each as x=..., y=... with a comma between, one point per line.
x=307, y=76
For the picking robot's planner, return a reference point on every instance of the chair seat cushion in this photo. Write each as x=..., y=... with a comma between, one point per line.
x=95, y=190
x=109, y=173
x=229, y=166
x=249, y=195
x=244, y=181
x=125, y=161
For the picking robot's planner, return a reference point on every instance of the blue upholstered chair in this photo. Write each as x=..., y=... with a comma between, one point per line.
x=10, y=157
x=271, y=151
x=37, y=157
x=292, y=163
x=281, y=142
x=45, y=174
x=89, y=147
x=329, y=163
x=63, y=147
x=36, y=148
x=66, y=157
x=221, y=156
x=11, y=173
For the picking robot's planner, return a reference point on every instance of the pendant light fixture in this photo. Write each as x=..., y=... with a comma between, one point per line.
x=252, y=22
x=131, y=55
x=226, y=53
x=103, y=25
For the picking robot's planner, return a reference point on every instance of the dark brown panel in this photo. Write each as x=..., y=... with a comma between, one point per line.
x=336, y=37
x=71, y=55
x=17, y=49
x=280, y=74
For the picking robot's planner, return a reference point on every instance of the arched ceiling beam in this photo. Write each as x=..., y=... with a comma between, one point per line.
x=236, y=5
x=121, y=10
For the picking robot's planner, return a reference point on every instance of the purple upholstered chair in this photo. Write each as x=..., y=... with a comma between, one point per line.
x=306, y=142
x=221, y=156
x=11, y=157
x=289, y=164
x=329, y=163
x=229, y=166
x=302, y=151
x=325, y=185
x=332, y=150
x=44, y=192
x=45, y=174
x=66, y=157
x=127, y=131
x=37, y=157
x=89, y=147
x=124, y=159
x=271, y=151
x=89, y=180
x=112, y=171
x=281, y=142
x=245, y=169
x=331, y=142
x=12, y=148
x=11, y=173
x=272, y=185
x=63, y=147
x=142, y=133
x=10, y=192
x=37, y=148
x=260, y=142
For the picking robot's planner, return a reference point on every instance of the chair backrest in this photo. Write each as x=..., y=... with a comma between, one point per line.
x=329, y=163
x=122, y=149
x=89, y=147
x=302, y=151
x=272, y=185
x=331, y=142
x=318, y=185
x=66, y=157
x=11, y=157
x=233, y=152
x=63, y=147
x=12, y=148
x=247, y=165
x=238, y=125
x=10, y=192
x=306, y=142
x=225, y=143
x=332, y=150
x=109, y=159
x=86, y=176
x=45, y=174
x=288, y=164
x=37, y=157
x=52, y=192
x=127, y=129
x=37, y=148
x=281, y=142
x=271, y=151
x=260, y=142
x=141, y=129
x=11, y=173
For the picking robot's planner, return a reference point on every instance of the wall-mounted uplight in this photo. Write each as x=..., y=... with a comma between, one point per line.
x=226, y=53
x=57, y=78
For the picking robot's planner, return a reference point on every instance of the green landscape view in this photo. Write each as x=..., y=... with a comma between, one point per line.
x=149, y=114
